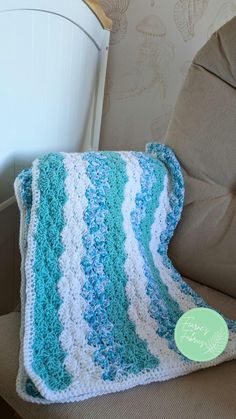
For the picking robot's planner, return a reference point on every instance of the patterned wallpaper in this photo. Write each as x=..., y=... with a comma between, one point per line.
x=152, y=46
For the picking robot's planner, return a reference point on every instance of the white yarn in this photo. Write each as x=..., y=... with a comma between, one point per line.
x=71, y=313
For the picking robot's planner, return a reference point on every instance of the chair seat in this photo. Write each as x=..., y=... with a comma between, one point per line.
x=209, y=393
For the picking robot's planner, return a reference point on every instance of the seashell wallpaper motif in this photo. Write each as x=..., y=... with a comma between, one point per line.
x=152, y=46
x=186, y=14
x=116, y=10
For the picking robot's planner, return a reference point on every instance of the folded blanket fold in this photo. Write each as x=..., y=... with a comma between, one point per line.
x=100, y=297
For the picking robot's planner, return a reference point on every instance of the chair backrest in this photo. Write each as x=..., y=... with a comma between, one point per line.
x=203, y=135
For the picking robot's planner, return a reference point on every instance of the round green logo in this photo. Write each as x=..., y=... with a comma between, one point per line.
x=201, y=334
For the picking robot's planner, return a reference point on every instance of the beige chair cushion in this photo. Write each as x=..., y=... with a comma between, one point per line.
x=203, y=135
x=208, y=393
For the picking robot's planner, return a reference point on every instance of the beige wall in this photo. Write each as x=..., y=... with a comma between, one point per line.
x=152, y=46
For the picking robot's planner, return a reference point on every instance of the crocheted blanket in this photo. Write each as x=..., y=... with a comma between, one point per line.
x=100, y=297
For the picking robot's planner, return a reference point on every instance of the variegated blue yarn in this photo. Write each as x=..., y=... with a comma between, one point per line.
x=100, y=297
x=162, y=307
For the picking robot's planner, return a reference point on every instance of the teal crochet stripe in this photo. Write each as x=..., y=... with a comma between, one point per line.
x=127, y=353
x=48, y=355
x=134, y=352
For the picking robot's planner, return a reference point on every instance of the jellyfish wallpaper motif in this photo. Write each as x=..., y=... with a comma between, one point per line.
x=153, y=60
x=186, y=14
x=116, y=11
x=153, y=43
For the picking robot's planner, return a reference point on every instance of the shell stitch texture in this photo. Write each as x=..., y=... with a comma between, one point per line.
x=100, y=296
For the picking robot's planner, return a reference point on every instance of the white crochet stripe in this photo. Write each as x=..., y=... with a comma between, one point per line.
x=185, y=302
x=136, y=287
x=27, y=288
x=78, y=361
